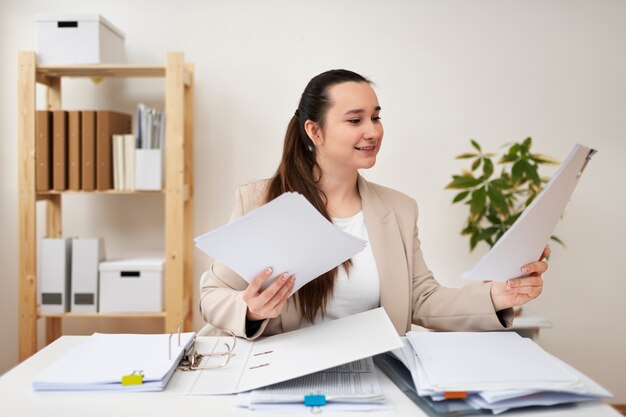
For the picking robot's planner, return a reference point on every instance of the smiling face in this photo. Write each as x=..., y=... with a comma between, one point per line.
x=352, y=132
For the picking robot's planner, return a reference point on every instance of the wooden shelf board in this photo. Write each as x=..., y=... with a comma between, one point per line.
x=56, y=192
x=101, y=70
x=103, y=315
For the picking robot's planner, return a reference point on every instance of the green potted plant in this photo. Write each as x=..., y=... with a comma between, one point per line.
x=496, y=199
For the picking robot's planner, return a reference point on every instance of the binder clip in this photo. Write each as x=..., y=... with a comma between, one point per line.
x=134, y=378
x=315, y=401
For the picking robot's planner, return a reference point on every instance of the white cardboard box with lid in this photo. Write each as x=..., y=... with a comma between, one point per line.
x=131, y=285
x=78, y=39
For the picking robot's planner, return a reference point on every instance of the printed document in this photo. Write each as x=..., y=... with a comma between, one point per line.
x=352, y=382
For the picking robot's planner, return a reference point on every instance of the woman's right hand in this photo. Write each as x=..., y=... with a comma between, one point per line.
x=267, y=303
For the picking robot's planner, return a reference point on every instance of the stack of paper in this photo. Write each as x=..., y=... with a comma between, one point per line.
x=288, y=234
x=103, y=359
x=496, y=371
x=350, y=387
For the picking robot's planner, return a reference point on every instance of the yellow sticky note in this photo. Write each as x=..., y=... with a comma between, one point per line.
x=132, y=379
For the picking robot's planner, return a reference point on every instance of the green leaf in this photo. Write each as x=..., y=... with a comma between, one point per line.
x=487, y=168
x=517, y=172
x=528, y=142
x=460, y=196
x=466, y=155
x=473, y=241
x=476, y=164
x=544, y=159
x=493, y=218
x=507, y=158
x=512, y=219
x=532, y=173
x=497, y=199
x=475, y=145
x=463, y=181
x=514, y=149
x=479, y=199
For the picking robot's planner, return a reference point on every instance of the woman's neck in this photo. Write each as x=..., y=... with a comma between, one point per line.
x=342, y=193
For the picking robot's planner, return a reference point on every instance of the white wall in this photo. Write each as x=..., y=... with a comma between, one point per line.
x=446, y=71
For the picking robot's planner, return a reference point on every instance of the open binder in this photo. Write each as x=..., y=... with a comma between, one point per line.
x=294, y=354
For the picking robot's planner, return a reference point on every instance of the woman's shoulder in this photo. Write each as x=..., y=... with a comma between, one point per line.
x=391, y=197
x=253, y=194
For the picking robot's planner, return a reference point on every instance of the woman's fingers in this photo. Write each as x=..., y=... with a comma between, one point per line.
x=267, y=303
x=257, y=282
x=532, y=286
x=535, y=268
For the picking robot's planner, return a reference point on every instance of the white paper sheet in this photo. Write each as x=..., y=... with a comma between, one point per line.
x=287, y=234
x=526, y=238
x=100, y=362
x=301, y=352
x=463, y=361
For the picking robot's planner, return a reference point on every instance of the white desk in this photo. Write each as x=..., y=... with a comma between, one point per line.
x=18, y=399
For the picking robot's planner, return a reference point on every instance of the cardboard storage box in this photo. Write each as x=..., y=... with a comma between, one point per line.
x=78, y=39
x=131, y=286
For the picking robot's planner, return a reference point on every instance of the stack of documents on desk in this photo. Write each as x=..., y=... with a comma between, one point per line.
x=102, y=360
x=288, y=234
x=496, y=371
x=350, y=387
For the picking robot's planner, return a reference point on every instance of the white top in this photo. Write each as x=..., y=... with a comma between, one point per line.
x=360, y=290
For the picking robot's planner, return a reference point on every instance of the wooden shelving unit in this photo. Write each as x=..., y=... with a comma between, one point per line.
x=178, y=189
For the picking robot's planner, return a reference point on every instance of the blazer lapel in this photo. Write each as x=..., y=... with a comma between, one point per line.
x=390, y=257
x=391, y=263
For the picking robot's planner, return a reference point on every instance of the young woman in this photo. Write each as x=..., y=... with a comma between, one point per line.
x=336, y=131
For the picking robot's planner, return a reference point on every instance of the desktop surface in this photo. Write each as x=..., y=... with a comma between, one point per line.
x=17, y=397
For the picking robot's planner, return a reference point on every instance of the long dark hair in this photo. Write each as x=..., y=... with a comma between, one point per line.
x=298, y=171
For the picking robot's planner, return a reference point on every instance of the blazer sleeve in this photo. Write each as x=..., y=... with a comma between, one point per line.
x=468, y=308
x=221, y=291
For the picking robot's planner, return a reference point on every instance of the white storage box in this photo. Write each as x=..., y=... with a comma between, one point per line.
x=148, y=169
x=131, y=286
x=78, y=39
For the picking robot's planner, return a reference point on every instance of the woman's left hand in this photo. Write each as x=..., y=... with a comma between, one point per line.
x=518, y=291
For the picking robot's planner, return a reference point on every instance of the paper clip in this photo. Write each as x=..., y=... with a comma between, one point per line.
x=315, y=401
x=135, y=378
x=591, y=153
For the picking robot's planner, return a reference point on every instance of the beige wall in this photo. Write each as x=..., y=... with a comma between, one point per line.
x=445, y=71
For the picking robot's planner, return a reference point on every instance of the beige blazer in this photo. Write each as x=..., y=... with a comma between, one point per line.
x=408, y=291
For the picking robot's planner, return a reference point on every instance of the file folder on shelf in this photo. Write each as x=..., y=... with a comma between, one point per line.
x=86, y=256
x=54, y=275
